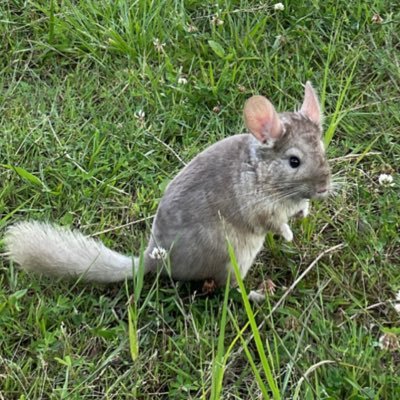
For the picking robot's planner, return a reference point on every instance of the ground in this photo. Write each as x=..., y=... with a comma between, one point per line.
x=101, y=104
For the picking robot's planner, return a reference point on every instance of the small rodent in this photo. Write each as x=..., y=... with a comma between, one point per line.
x=237, y=189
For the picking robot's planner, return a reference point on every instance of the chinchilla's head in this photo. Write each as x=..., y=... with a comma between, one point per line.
x=289, y=153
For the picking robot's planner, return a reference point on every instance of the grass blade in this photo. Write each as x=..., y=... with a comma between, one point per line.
x=260, y=347
x=220, y=358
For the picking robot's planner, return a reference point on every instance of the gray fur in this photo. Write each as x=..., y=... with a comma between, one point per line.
x=237, y=189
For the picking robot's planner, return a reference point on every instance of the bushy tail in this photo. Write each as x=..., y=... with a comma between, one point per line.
x=55, y=251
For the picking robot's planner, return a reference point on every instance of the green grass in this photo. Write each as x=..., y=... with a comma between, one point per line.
x=75, y=148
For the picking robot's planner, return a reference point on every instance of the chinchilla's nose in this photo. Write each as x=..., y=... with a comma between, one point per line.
x=322, y=189
x=323, y=185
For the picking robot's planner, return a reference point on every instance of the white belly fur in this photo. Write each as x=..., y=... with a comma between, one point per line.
x=246, y=249
x=247, y=245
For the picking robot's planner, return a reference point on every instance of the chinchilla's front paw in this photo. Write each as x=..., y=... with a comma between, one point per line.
x=306, y=209
x=286, y=232
x=303, y=211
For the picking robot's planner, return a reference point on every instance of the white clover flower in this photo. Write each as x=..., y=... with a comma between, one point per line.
x=182, y=81
x=217, y=21
x=158, y=45
x=385, y=180
x=192, y=28
x=158, y=253
x=267, y=286
x=389, y=341
x=376, y=19
x=396, y=303
x=381, y=342
x=279, y=7
x=140, y=114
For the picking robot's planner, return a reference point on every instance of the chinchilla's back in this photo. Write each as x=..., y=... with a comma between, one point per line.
x=210, y=184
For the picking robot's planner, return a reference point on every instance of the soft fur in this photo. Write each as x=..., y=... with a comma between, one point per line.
x=236, y=190
x=54, y=251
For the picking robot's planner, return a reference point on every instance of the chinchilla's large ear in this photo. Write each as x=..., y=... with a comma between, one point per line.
x=262, y=120
x=311, y=107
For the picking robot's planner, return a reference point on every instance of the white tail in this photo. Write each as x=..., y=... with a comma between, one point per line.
x=55, y=251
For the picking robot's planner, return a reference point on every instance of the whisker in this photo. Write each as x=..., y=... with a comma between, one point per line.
x=271, y=201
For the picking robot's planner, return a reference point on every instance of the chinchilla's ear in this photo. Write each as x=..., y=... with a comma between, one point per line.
x=311, y=107
x=262, y=120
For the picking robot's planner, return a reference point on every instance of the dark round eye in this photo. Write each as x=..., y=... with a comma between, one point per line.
x=294, y=162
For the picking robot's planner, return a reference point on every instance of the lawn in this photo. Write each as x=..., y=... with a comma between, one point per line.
x=102, y=103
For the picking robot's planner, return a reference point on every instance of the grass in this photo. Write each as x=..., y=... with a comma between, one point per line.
x=95, y=121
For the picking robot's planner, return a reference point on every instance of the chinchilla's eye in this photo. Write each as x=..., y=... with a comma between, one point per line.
x=294, y=162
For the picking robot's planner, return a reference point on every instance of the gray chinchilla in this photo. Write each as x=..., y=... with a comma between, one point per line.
x=237, y=189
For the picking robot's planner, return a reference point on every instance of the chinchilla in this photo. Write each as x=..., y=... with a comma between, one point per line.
x=236, y=190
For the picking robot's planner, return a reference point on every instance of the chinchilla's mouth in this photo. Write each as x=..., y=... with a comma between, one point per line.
x=321, y=194
x=322, y=191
